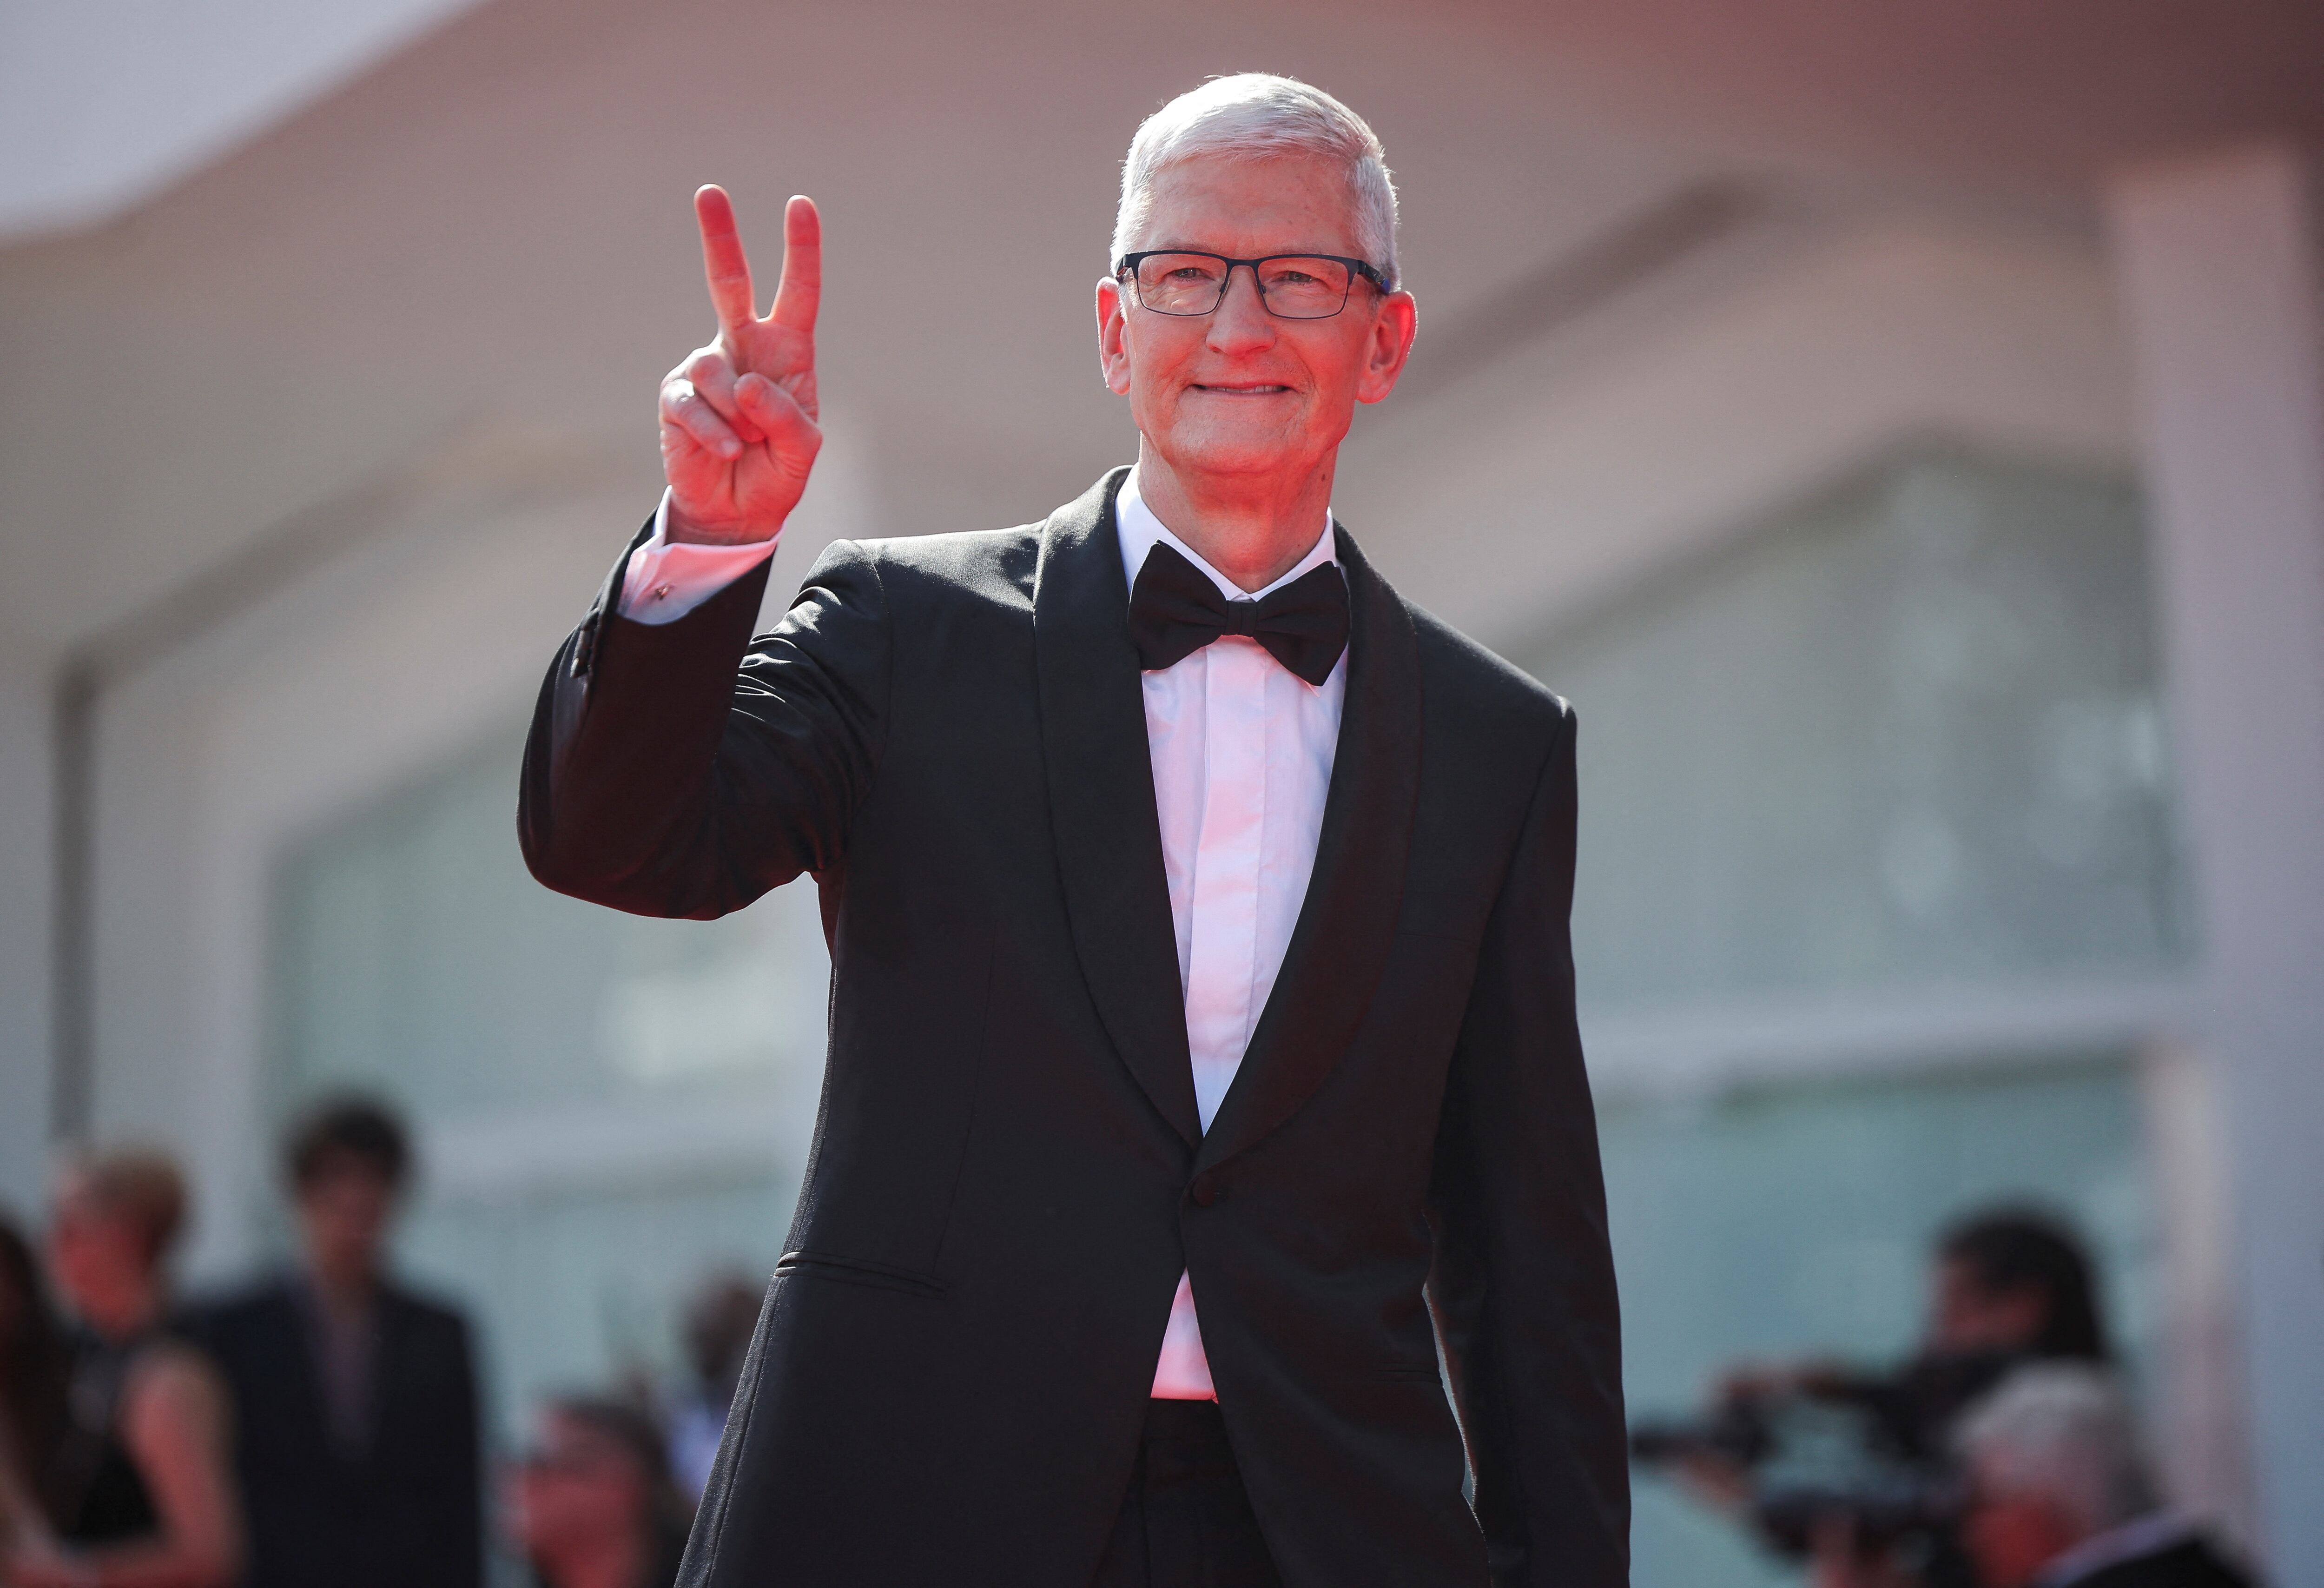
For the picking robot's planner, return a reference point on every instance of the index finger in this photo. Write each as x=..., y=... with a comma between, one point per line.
x=801, y=292
x=723, y=263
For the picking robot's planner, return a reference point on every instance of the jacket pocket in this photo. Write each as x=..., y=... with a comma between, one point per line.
x=1410, y=1373
x=856, y=1270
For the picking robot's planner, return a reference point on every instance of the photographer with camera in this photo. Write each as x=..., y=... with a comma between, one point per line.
x=1856, y=1470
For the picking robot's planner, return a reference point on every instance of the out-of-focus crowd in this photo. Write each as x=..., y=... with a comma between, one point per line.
x=319, y=1424
x=2004, y=1454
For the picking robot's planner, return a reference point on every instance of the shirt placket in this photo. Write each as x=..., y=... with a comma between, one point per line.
x=1223, y=959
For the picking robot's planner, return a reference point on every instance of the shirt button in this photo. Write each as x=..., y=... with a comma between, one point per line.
x=1206, y=1189
x=662, y=591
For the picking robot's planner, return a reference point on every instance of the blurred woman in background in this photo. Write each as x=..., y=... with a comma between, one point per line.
x=34, y=1366
x=136, y=1478
x=592, y=1505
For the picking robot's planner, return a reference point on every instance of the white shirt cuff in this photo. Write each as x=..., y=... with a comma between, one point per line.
x=667, y=579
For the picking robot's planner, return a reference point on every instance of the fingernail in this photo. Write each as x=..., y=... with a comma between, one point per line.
x=730, y=449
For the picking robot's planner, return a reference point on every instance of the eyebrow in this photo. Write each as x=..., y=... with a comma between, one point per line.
x=1222, y=253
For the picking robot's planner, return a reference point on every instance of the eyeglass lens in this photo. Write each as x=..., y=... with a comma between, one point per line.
x=1294, y=286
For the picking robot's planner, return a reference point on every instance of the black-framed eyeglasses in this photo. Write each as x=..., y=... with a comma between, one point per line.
x=1293, y=286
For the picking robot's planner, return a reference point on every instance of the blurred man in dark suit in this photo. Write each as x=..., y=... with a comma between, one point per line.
x=355, y=1401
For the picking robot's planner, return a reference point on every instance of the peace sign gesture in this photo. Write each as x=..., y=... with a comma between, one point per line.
x=738, y=417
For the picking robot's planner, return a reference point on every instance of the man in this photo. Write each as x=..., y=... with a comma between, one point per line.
x=2060, y=1498
x=1203, y=1053
x=355, y=1402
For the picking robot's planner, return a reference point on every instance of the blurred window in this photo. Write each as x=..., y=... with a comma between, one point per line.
x=1907, y=737
x=609, y=1106
x=1892, y=757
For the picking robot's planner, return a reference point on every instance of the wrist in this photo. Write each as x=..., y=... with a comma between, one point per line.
x=680, y=528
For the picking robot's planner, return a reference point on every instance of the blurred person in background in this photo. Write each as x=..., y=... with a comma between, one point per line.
x=137, y=1486
x=593, y=1503
x=2008, y=1285
x=717, y=1327
x=354, y=1400
x=2060, y=1496
x=36, y=1364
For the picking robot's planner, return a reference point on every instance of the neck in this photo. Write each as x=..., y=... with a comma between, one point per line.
x=127, y=1311
x=345, y=1288
x=1253, y=528
x=611, y=1563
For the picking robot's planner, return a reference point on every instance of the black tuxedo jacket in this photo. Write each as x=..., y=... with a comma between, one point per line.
x=404, y=1514
x=952, y=1363
x=2186, y=1562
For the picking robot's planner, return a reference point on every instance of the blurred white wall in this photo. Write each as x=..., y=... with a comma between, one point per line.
x=104, y=103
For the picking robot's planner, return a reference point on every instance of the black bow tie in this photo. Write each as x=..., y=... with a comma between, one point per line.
x=1175, y=610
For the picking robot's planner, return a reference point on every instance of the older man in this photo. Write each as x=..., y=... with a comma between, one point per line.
x=2060, y=1497
x=1203, y=1095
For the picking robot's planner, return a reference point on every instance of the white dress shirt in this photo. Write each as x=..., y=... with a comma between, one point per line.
x=1242, y=750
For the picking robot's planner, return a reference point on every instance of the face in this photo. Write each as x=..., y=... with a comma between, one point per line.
x=344, y=1208
x=1967, y=1316
x=2012, y=1537
x=1240, y=393
x=98, y=1256
x=578, y=1491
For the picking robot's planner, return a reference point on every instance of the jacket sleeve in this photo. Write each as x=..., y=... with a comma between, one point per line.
x=661, y=779
x=1524, y=1281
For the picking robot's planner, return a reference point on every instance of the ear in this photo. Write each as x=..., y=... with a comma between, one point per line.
x=1112, y=344
x=1395, y=323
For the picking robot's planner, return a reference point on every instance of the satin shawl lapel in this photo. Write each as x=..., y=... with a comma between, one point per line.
x=1100, y=776
x=1339, y=948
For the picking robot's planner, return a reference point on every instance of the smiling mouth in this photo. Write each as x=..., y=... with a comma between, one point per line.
x=1252, y=389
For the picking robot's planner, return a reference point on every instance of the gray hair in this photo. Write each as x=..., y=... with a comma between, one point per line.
x=2064, y=1431
x=1254, y=115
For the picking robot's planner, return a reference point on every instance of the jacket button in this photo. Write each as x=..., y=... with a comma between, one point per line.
x=1206, y=1189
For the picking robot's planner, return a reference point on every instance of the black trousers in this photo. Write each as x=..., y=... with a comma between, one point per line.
x=1186, y=1521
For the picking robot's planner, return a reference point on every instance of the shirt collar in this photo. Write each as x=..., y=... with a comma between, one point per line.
x=2149, y=1535
x=1139, y=528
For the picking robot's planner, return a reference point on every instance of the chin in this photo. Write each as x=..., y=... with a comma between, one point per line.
x=1235, y=452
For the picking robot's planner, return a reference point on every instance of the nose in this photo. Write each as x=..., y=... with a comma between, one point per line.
x=1241, y=323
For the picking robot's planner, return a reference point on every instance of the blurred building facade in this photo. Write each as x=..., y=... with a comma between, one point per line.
x=1902, y=437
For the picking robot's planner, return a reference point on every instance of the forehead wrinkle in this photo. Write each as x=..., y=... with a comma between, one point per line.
x=1167, y=182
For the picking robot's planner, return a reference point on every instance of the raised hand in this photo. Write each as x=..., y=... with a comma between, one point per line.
x=738, y=417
